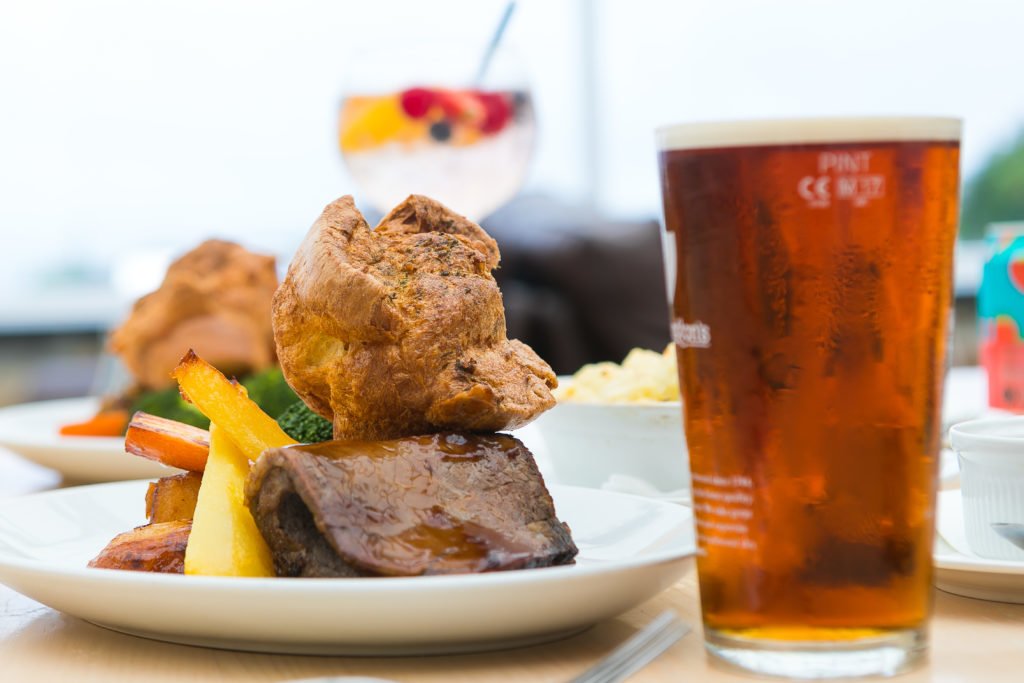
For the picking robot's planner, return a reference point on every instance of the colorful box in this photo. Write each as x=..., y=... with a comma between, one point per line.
x=1001, y=316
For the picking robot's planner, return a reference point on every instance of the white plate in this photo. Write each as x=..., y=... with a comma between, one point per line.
x=631, y=548
x=32, y=431
x=959, y=571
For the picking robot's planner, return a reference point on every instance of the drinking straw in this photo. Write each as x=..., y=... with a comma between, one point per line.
x=493, y=45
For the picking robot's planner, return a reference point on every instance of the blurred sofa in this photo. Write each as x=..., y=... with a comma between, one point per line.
x=579, y=287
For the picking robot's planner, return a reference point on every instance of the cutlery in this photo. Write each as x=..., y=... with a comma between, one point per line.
x=1014, y=533
x=637, y=652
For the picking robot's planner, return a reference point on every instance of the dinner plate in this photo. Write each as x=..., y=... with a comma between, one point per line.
x=631, y=548
x=959, y=571
x=32, y=431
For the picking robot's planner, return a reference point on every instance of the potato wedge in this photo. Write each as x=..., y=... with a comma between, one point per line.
x=149, y=548
x=172, y=443
x=226, y=403
x=224, y=539
x=173, y=499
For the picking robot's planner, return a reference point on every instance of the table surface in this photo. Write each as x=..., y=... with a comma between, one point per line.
x=972, y=640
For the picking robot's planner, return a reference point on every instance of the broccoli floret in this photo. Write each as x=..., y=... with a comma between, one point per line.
x=270, y=392
x=305, y=426
x=169, y=403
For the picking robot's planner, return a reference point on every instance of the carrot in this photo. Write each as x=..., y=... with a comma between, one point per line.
x=103, y=423
x=167, y=441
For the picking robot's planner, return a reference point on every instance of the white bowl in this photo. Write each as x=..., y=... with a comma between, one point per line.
x=991, y=454
x=589, y=443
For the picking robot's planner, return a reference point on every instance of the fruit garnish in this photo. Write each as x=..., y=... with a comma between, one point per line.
x=461, y=106
x=371, y=122
x=463, y=136
x=497, y=111
x=416, y=102
x=441, y=131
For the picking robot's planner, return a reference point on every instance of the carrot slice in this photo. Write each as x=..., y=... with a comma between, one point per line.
x=167, y=441
x=103, y=423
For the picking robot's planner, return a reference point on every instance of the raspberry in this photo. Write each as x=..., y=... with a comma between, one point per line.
x=416, y=102
x=497, y=111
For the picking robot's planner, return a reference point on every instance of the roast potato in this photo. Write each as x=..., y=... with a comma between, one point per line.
x=150, y=548
x=173, y=499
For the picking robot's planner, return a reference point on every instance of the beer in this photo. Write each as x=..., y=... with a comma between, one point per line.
x=811, y=294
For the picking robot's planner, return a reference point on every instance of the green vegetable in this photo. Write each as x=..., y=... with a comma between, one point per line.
x=169, y=403
x=305, y=426
x=270, y=392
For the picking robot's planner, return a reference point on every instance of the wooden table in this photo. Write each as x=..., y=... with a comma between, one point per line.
x=972, y=640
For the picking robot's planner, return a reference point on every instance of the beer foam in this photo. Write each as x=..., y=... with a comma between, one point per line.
x=807, y=131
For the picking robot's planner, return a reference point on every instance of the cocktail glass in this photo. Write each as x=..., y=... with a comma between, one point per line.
x=419, y=120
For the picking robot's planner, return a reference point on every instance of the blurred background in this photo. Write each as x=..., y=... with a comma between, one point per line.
x=132, y=131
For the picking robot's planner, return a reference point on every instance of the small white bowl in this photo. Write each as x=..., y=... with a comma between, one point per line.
x=589, y=443
x=991, y=454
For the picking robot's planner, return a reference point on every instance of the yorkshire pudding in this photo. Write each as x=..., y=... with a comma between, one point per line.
x=400, y=330
x=214, y=299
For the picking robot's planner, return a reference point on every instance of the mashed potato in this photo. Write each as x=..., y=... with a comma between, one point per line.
x=644, y=377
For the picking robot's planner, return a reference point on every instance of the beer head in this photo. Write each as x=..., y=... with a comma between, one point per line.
x=806, y=131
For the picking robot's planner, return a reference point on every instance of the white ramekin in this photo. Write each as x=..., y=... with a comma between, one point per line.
x=991, y=454
x=590, y=443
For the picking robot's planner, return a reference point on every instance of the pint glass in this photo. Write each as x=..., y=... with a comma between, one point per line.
x=809, y=266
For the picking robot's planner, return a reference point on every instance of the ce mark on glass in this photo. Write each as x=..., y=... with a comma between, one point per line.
x=815, y=190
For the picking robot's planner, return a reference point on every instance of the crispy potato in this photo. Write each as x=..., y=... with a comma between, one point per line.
x=173, y=499
x=149, y=548
x=226, y=403
x=172, y=443
x=225, y=540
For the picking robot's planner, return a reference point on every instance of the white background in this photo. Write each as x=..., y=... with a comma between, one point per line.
x=130, y=128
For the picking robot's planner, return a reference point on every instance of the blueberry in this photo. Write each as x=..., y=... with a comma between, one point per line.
x=441, y=131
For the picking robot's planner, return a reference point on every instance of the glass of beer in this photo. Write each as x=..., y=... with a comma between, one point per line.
x=809, y=267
